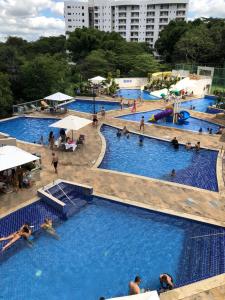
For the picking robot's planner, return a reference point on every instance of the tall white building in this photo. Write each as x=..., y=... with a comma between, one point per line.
x=135, y=20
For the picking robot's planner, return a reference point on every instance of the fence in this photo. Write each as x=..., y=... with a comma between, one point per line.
x=218, y=80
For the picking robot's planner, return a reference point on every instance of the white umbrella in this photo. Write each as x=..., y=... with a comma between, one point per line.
x=97, y=79
x=12, y=156
x=71, y=123
x=59, y=97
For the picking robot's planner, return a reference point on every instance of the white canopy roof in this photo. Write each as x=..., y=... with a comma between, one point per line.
x=97, y=79
x=71, y=123
x=12, y=156
x=59, y=97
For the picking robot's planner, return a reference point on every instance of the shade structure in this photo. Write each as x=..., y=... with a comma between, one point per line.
x=97, y=79
x=59, y=97
x=12, y=156
x=71, y=123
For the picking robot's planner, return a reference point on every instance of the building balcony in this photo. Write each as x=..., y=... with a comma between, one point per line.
x=148, y=21
x=163, y=20
x=122, y=15
x=135, y=21
x=181, y=6
x=134, y=28
x=164, y=13
x=134, y=15
x=150, y=14
x=180, y=13
x=149, y=27
x=150, y=6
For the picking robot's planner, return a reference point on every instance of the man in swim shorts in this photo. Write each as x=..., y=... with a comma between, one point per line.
x=134, y=288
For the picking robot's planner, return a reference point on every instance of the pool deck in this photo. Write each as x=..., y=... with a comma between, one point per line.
x=79, y=166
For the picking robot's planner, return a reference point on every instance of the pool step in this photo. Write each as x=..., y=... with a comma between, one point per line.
x=67, y=197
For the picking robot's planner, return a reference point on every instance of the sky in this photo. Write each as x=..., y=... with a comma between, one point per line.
x=31, y=19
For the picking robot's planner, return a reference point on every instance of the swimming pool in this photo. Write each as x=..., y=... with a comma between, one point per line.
x=87, y=106
x=192, y=124
x=102, y=248
x=29, y=129
x=135, y=94
x=200, y=104
x=157, y=158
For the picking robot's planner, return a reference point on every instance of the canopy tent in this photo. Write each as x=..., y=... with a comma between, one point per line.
x=12, y=156
x=71, y=123
x=97, y=79
x=59, y=97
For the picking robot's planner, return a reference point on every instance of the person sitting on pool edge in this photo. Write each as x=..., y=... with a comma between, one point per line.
x=134, y=288
x=173, y=173
x=24, y=232
x=166, y=282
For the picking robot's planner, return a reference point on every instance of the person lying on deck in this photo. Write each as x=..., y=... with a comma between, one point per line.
x=24, y=232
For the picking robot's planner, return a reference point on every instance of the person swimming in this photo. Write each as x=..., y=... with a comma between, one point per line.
x=119, y=133
x=166, y=282
x=48, y=226
x=141, y=140
x=173, y=173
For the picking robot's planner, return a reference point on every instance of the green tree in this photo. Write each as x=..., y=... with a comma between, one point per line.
x=168, y=38
x=6, y=99
x=195, y=46
x=95, y=64
x=44, y=75
x=144, y=64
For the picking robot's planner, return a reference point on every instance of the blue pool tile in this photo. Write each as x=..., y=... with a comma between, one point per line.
x=135, y=94
x=157, y=158
x=93, y=247
x=29, y=129
x=87, y=106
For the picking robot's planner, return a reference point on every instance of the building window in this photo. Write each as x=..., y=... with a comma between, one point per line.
x=69, y=20
x=82, y=7
x=83, y=20
x=68, y=6
x=82, y=14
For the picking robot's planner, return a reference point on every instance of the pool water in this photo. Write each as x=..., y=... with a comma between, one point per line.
x=200, y=104
x=192, y=124
x=29, y=129
x=135, y=94
x=87, y=106
x=106, y=245
x=158, y=158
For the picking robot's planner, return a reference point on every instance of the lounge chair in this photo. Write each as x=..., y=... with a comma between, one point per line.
x=35, y=108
